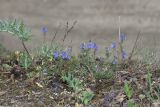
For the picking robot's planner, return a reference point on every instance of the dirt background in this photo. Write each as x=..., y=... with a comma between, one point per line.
x=97, y=20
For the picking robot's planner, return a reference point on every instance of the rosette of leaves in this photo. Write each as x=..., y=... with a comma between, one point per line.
x=73, y=82
x=86, y=97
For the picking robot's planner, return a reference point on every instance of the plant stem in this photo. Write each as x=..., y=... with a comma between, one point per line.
x=67, y=31
x=25, y=48
x=119, y=34
x=135, y=46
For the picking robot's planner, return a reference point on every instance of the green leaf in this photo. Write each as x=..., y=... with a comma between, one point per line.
x=127, y=89
x=16, y=28
x=86, y=97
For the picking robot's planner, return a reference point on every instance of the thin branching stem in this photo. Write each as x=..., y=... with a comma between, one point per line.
x=135, y=46
x=55, y=34
x=68, y=30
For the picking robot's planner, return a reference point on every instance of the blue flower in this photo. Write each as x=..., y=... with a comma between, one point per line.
x=82, y=46
x=122, y=37
x=89, y=45
x=44, y=29
x=124, y=55
x=113, y=45
x=65, y=55
x=56, y=54
x=92, y=45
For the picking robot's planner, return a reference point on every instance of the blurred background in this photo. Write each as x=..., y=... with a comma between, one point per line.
x=97, y=20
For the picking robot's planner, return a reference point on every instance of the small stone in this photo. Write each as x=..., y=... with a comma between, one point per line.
x=142, y=96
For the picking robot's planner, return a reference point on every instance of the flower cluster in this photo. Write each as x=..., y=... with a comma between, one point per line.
x=44, y=29
x=56, y=54
x=113, y=46
x=63, y=54
x=89, y=45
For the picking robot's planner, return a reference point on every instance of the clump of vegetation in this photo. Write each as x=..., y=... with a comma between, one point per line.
x=55, y=77
x=129, y=92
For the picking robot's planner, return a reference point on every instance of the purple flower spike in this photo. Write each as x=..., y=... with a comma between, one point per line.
x=44, y=29
x=65, y=55
x=113, y=45
x=56, y=54
x=122, y=37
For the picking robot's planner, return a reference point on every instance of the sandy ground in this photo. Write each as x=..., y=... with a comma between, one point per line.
x=97, y=20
